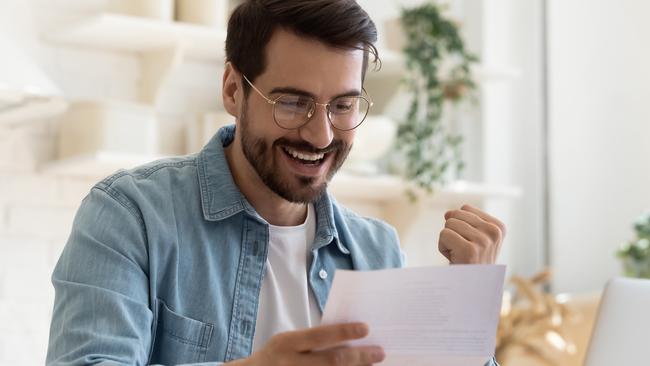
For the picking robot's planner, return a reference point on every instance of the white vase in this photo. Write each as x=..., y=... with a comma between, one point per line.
x=155, y=9
x=211, y=13
x=372, y=140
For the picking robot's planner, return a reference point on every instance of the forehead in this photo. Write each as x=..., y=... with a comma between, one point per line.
x=305, y=63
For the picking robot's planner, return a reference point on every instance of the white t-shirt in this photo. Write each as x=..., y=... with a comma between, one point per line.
x=286, y=300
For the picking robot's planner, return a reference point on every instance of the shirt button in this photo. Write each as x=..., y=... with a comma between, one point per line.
x=322, y=274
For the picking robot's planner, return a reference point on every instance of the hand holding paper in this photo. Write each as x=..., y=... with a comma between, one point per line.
x=315, y=346
x=443, y=316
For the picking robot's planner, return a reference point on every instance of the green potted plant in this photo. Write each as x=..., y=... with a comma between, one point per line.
x=437, y=72
x=635, y=255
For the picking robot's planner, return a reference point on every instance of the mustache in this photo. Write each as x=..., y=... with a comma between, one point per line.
x=335, y=145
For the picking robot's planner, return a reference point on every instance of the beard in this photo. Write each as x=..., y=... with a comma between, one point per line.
x=293, y=188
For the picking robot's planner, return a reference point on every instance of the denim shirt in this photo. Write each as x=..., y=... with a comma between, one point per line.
x=165, y=261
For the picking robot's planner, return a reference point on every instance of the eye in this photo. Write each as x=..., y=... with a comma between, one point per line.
x=295, y=103
x=343, y=105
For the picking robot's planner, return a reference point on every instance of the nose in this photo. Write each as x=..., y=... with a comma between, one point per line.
x=318, y=131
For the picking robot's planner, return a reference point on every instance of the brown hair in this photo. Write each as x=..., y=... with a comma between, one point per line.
x=338, y=23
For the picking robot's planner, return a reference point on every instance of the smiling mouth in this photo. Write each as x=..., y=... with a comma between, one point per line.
x=305, y=157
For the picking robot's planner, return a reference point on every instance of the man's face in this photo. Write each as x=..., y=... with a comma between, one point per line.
x=297, y=164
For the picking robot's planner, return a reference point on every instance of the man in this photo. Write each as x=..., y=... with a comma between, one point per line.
x=228, y=255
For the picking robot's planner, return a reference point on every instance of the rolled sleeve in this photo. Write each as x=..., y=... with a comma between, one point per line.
x=101, y=307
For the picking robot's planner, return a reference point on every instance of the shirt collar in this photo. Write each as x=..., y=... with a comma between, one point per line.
x=221, y=198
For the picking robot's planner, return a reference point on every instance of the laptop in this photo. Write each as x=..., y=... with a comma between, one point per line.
x=621, y=334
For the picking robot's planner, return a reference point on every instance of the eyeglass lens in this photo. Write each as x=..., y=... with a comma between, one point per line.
x=345, y=113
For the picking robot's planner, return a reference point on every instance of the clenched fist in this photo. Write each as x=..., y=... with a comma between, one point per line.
x=471, y=236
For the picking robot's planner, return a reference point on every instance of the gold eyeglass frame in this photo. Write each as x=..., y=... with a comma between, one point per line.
x=311, y=113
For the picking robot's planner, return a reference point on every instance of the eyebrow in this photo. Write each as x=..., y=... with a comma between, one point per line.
x=290, y=90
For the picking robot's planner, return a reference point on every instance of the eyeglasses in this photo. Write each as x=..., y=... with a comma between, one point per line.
x=292, y=111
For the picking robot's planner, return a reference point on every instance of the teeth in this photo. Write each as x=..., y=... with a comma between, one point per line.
x=303, y=156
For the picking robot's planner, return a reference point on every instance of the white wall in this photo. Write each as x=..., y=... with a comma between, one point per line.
x=599, y=88
x=512, y=124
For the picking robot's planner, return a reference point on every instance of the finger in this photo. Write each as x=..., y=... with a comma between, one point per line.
x=486, y=227
x=468, y=231
x=456, y=248
x=322, y=336
x=485, y=216
x=467, y=216
x=344, y=356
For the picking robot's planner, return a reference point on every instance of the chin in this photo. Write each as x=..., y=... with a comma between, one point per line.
x=303, y=189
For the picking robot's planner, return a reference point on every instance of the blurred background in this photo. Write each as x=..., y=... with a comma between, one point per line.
x=553, y=117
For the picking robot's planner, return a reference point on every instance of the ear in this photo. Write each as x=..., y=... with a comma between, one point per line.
x=231, y=91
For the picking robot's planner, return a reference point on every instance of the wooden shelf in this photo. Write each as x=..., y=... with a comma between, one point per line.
x=97, y=165
x=137, y=34
x=388, y=188
x=345, y=186
x=141, y=35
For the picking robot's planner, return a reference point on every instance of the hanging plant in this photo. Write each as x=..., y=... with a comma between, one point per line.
x=438, y=70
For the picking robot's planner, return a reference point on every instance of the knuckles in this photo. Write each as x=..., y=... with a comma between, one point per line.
x=451, y=221
x=486, y=237
x=494, y=232
x=337, y=358
x=467, y=207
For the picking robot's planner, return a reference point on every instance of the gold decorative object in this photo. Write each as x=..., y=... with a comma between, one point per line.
x=531, y=324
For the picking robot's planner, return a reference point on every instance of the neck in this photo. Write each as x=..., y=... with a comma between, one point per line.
x=273, y=208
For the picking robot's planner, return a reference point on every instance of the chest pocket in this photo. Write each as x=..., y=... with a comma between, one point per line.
x=177, y=338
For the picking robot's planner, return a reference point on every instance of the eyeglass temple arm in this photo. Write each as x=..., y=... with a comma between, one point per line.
x=258, y=91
